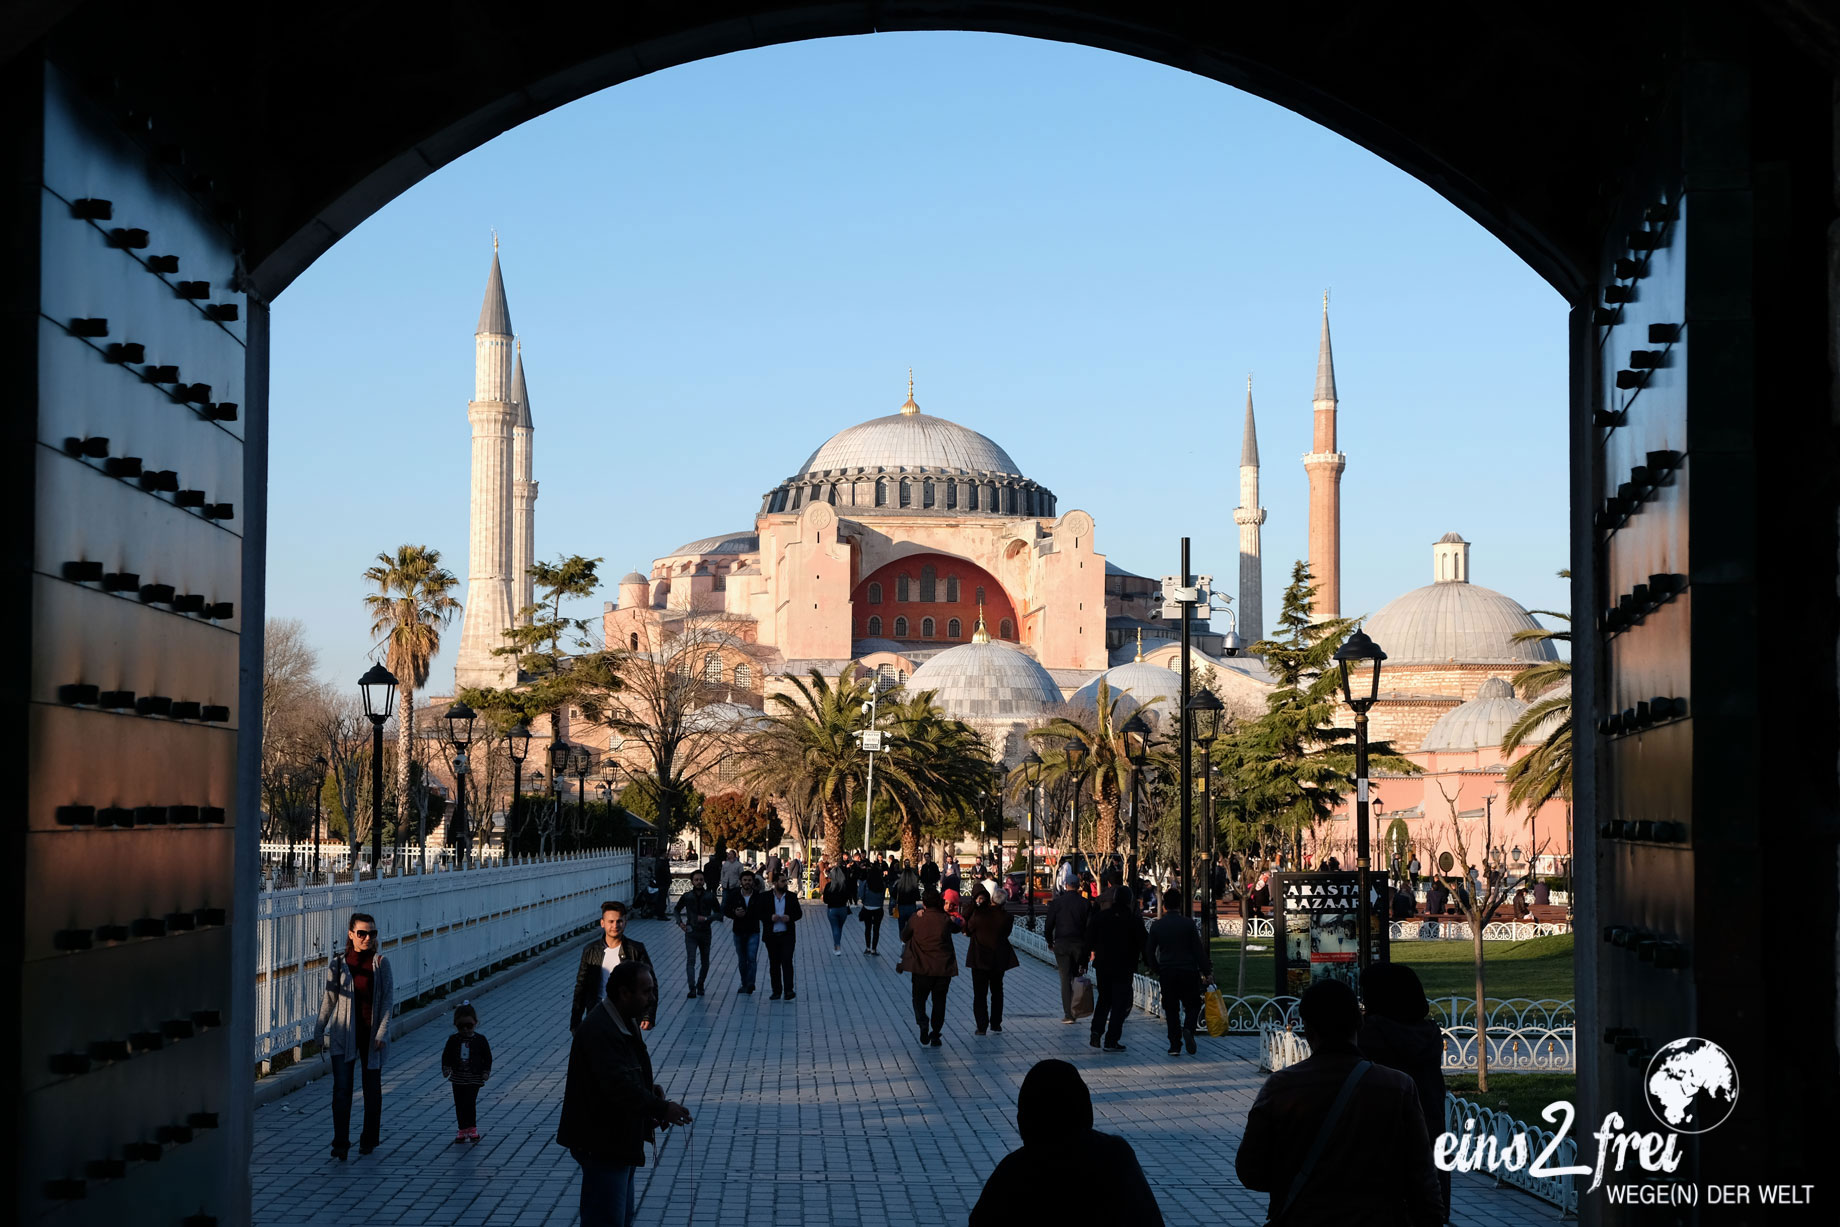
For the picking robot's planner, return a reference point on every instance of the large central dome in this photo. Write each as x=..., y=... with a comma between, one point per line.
x=911, y=462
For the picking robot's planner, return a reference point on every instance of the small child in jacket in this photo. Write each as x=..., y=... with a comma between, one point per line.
x=467, y=1063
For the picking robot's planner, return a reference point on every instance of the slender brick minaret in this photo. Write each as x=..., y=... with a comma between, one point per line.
x=1249, y=516
x=1324, y=464
x=491, y=412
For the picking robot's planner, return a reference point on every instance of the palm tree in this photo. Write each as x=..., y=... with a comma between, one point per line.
x=808, y=753
x=1106, y=761
x=409, y=610
x=1546, y=771
x=936, y=772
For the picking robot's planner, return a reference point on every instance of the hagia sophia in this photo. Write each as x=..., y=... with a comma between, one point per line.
x=918, y=549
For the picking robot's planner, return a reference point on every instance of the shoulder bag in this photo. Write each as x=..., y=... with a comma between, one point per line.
x=1321, y=1142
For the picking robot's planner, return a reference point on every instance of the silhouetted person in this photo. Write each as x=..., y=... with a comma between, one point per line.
x=1398, y=1032
x=1115, y=936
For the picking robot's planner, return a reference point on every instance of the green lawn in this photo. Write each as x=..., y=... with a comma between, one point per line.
x=1522, y=1096
x=1538, y=968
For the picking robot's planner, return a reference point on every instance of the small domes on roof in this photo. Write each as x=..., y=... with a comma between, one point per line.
x=1453, y=620
x=1452, y=539
x=1132, y=685
x=723, y=543
x=987, y=681
x=1483, y=721
x=633, y=577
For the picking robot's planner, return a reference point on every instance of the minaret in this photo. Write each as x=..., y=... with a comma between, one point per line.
x=491, y=412
x=1324, y=464
x=1249, y=516
x=523, y=496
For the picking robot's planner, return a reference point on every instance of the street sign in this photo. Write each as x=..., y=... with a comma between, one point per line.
x=871, y=740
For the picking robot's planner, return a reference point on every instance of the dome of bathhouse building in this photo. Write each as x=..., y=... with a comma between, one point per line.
x=1132, y=685
x=1452, y=620
x=911, y=462
x=1481, y=722
x=988, y=682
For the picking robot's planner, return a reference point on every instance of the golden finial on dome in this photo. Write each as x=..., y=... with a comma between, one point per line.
x=979, y=634
x=910, y=408
x=1140, y=645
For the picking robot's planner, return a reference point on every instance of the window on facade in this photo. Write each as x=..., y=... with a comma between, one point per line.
x=881, y=492
x=900, y=628
x=633, y=642
x=926, y=628
x=955, y=629
x=952, y=589
x=744, y=677
x=683, y=665
x=1009, y=500
x=727, y=768
x=875, y=627
x=951, y=494
x=929, y=583
x=903, y=590
x=907, y=492
x=970, y=498
x=798, y=496
x=1006, y=629
x=712, y=668
x=875, y=594
x=980, y=596
x=926, y=493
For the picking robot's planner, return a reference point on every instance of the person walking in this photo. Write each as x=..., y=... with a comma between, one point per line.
x=354, y=1031
x=906, y=899
x=778, y=913
x=929, y=874
x=738, y=906
x=1066, y=931
x=598, y=959
x=932, y=961
x=1397, y=1031
x=609, y=1101
x=1413, y=868
x=874, y=891
x=1054, y=1115
x=466, y=1062
x=696, y=913
x=838, y=891
x=1116, y=938
x=1179, y=959
x=731, y=871
x=988, y=954
x=1336, y=1138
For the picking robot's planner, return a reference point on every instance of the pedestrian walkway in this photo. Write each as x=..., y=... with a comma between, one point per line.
x=825, y=1108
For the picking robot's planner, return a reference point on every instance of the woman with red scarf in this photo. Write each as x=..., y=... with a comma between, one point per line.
x=354, y=1022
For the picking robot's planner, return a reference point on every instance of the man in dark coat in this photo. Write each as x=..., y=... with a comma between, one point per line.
x=737, y=905
x=1115, y=935
x=598, y=959
x=1437, y=898
x=929, y=875
x=1375, y=1168
x=1066, y=931
x=1054, y=1115
x=696, y=913
x=777, y=913
x=610, y=1103
x=1180, y=960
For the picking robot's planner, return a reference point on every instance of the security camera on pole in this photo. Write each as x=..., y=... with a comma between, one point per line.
x=1180, y=596
x=871, y=739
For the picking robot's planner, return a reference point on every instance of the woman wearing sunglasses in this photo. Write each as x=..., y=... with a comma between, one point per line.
x=354, y=1024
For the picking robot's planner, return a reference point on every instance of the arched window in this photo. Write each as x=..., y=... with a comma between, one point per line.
x=900, y=628
x=951, y=494
x=926, y=493
x=952, y=589
x=712, y=668
x=798, y=496
x=683, y=665
x=980, y=596
x=875, y=627
x=633, y=641
x=875, y=594
x=744, y=677
x=907, y=492
x=929, y=583
x=1006, y=629
x=903, y=590
x=1009, y=500
x=971, y=497
x=926, y=628
x=881, y=492
x=955, y=629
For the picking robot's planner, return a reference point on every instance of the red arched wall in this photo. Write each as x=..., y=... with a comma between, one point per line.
x=970, y=576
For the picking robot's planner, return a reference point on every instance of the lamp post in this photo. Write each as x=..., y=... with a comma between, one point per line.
x=871, y=739
x=378, y=686
x=1136, y=748
x=1076, y=761
x=318, y=791
x=559, y=752
x=460, y=737
x=1204, y=713
x=518, y=739
x=537, y=782
x=1360, y=649
x=1488, y=831
x=581, y=759
x=1031, y=773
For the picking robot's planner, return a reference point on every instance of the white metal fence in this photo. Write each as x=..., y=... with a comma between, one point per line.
x=335, y=859
x=435, y=929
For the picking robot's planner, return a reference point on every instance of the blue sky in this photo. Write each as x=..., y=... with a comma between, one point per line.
x=1081, y=255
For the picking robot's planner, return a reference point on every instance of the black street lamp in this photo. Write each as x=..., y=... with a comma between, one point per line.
x=320, y=764
x=1136, y=732
x=1076, y=760
x=460, y=736
x=560, y=753
x=581, y=760
x=519, y=741
x=536, y=782
x=1031, y=773
x=378, y=686
x=1204, y=712
x=1360, y=649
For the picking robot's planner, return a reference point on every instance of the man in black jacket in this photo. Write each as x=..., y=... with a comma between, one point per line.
x=598, y=959
x=777, y=914
x=1066, y=930
x=1116, y=938
x=696, y=913
x=1179, y=958
x=610, y=1103
x=737, y=905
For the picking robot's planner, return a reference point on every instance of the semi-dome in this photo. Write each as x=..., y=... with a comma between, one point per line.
x=1455, y=621
x=1132, y=685
x=1483, y=721
x=987, y=681
x=911, y=462
x=746, y=542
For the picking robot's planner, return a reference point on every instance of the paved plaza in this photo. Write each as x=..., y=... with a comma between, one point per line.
x=824, y=1110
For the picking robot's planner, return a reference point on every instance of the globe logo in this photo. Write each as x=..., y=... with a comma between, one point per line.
x=1691, y=1085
